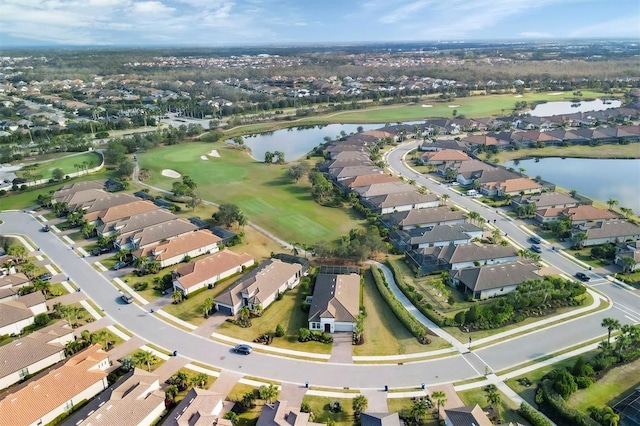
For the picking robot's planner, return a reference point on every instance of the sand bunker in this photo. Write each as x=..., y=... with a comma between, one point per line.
x=454, y=106
x=555, y=93
x=214, y=153
x=427, y=106
x=171, y=174
x=204, y=157
x=517, y=96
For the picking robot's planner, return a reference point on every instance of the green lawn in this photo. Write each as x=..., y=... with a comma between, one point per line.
x=507, y=408
x=249, y=417
x=57, y=289
x=584, y=255
x=470, y=107
x=384, y=334
x=286, y=312
x=262, y=192
x=609, y=389
x=144, y=367
x=320, y=406
x=67, y=164
x=402, y=406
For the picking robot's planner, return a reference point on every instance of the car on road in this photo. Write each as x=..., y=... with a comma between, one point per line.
x=536, y=248
x=582, y=276
x=45, y=228
x=44, y=277
x=100, y=250
x=535, y=239
x=127, y=298
x=243, y=349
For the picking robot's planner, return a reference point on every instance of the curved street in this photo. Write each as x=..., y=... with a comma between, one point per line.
x=500, y=355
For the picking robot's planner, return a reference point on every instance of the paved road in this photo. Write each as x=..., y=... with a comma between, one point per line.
x=626, y=308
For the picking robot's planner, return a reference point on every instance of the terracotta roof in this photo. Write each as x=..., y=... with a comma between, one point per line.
x=587, y=212
x=367, y=180
x=380, y=134
x=519, y=184
x=122, y=211
x=41, y=396
x=210, y=266
x=182, y=245
x=195, y=409
x=337, y=297
x=34, y=347
x=446, y=155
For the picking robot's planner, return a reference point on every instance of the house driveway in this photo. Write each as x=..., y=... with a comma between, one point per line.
x=377, y=401
x=212, y=323
x=453, y=400
x=293, y=394
x=341, y=351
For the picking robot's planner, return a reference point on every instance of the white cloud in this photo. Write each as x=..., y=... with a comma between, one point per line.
x=152, y=7
x=534, y=34
x=621, y=27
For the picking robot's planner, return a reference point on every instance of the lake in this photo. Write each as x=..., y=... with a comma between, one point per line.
x=600, y=179
x=296, y=142
x=555, y=108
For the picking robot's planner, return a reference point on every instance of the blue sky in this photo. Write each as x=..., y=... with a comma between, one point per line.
x=243, y=22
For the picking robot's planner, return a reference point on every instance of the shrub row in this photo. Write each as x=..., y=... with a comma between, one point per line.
x=412, y=324
x=558, y=407
x=306, y=335
x=416, y=298
x=534, y=417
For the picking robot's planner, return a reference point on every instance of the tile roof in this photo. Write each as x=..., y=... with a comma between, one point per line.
x=108, y=201
x=587, y=212
x=518, y=184
x=182, y=245
x=446, y=155
x=122, y=211
x=41, y=396
x=431, y=215
x=156, y=233
x=337, y=297
x=195, y=409
x=367, y=180
x=401, y=199
x=440, y=233
x=470, y=252
x=14, y=280
x=467, y=416
x=196, y=272
x=610, y=229
x=377, y=189
x=496, y=276
x=34, y=347
x=76, y=199
x=135, y=223
x=278, y=414
x=11, y=313
x=548, y=199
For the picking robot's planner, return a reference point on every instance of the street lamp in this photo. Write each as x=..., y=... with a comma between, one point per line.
x=469, y=343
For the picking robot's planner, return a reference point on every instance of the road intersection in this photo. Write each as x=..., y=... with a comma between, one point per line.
x=462, y=364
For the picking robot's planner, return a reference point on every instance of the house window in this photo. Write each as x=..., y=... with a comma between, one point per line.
x=68, y=405
x=24, y=373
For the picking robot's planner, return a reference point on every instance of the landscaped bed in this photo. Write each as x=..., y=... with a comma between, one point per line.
x=321, y=409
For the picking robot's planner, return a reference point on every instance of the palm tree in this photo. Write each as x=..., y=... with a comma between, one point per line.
x=612, y=202
x=441, y=399
x=208, y=305
x=473, y=216
x=579, y=238
x=626, y=212
x=610, y=416
x=359, y=404
x=43, y=286
x=177, y=296
x=268, y=393
x=419, y=409
x=171, y=392
x=495, y=235
x=199, y=380
x=444, y=198
x=494, y=398
x=121, y=254
x=610, y=324
x=29, y=269
x=145, y=358
x=247, y=399
x=101, y=336
x=18, y=252
x=628, y=263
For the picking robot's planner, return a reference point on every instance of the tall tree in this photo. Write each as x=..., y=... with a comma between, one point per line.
x=359, y=405
x=612, y=202
x=145, y=358
x=441, y=399
x=610, y=324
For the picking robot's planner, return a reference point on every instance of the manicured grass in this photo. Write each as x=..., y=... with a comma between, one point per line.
x=402, y=406
x=113, y=339
x=584, y=255
x=580, y=151
x=262, y=192
x=249, y=417
x=144, y=367
x=67, y=164
x=507, y=408
x=608, y=389
x=190, y=374
x=384, y=334
x=320, y=406
x=57, y=289
x=286, y=312
x=470, y=107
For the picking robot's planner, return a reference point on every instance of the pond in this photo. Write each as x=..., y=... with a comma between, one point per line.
x=600, y=179
x=555, y=108
x=296, y=142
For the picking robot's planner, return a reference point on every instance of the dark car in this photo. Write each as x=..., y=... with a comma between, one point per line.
x=582, y=276
x=100, y=250
x=44, y=277
x=45, y=228
x=243, y=349
x=536, y=248
x=120, y=265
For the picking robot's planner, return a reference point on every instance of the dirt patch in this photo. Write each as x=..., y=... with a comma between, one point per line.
x=171, y=174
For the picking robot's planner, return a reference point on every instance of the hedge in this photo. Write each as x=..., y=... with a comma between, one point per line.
x=413, y=297
x=534, y=417
x=409, y=321
x=560, y=408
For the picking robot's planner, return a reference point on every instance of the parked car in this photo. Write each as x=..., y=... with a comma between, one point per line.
x=121, y=264
x=44, y=277
x=127, y=298
x=243, y=349
x=535, y=239
x=45, y=228
x=536, y=248
x=100, y=250
x=582, y=276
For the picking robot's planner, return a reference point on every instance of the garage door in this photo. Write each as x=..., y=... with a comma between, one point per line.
x=225, y=310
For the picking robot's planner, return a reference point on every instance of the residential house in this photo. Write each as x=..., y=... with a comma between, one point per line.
x=209, y=270
x=486, y=140
x=75, y=199
x=401, y=201
x=341, y=173
x=458, y=256
x=127, y=226
x=335, y=305
x=518, y=186
x=380, y=419
x=439, y=235
x=106, y=202
x=198, y=407
x=483, y=174
x=279, y=414
x=440, y=144
x=443, y=156
x=496, y=279
x=120, y=212
x=466, y=416
x=16, y=280
x=80, y=378
x=631, y=250
x=18, y=313
x=178, y=249
x=136, y=401
x=546, y=200
x=226, y=235
x=7, y=294
x=586, y=213
x=421, y=218
x=378, y=189
x=154, y=235
x=367, y=180
x=67, y=191
x=260, y=287
x=608, y=231
x=34, y=352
